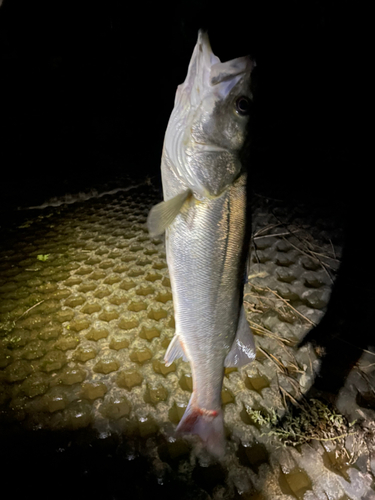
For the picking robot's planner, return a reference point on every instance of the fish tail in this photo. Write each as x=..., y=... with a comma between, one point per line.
x=207, y=424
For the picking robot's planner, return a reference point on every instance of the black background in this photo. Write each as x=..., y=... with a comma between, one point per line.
x=88, y=87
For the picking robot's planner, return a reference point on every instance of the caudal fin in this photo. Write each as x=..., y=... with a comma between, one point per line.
x=208, y=425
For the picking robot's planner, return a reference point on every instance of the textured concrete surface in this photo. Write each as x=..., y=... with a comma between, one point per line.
x=86, y=315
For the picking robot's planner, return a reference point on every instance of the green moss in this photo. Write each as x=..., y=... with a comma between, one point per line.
x=311, y=420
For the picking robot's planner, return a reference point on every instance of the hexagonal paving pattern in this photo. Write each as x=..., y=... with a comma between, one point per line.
x=86, y=315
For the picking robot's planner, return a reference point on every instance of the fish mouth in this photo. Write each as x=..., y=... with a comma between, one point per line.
x=207, y=71
x=208, y=148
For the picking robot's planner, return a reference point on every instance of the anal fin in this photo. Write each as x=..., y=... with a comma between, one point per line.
x=243, y=348
x=175, y=350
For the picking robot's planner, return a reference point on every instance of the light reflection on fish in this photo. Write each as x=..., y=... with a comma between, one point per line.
x=204, y=214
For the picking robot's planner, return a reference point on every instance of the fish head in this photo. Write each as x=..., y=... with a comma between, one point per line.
x=208, y=126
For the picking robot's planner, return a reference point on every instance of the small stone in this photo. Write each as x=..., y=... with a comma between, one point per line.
x=318, y=299
x=155, y=394
x=6, y=358
x=186, y=382
x=83, y=270
x=137, y=306
x=50, y=331
x=109, y=315
x=78, y=325
x=157, y=314
x=147, y=426
x=176, y=412
x=103, y=291
x=55, y=400
x=94, y=390
x=90, y=308
x=227, y=397
x=164, y=297
x=112, y=279
x=83, y=354
x=18, y=370
x=33, y=322
x=35, y=385
x=67, y=342
x=76, y=416
x=283, y=246
x=35, y=349
x=64, y=315
x=106, y=366
x=166, y=282
x=285, y=260
x=159, y=265
x=129, y=379
x=127, y=285
x=159, y=367
x=149, y=333
x=141, y=355
x=115, y=408
x=118, y=300
x=18, y=338
x=153, y=277
x=134, y=273
x=298, y=482
x=97, y=334
x=145, y=291
x=53, y=360
x=119, y=343
x=129, y=324
x=285, y=274
x=310, y=264
x=72, y=376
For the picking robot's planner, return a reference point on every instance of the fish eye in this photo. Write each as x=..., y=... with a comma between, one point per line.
x=243, y=105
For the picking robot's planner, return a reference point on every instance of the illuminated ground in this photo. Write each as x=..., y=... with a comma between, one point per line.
x=86, y=315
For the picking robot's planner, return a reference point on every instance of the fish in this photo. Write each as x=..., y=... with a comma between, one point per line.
x=205, y=218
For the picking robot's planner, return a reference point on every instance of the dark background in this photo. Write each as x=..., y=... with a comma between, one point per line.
x=86, y=90
x=88, y=87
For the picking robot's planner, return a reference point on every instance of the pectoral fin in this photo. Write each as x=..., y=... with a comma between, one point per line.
x=243, y=348
x=163, y=214
x=175, y=350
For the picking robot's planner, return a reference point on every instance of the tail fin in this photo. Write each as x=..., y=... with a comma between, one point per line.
x=209, y=426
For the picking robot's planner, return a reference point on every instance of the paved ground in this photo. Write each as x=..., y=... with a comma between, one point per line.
x=86, y=315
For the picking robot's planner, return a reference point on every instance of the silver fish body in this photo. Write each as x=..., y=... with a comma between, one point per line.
x=205, y=217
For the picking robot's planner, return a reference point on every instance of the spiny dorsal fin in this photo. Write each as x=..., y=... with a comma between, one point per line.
x=163, y=214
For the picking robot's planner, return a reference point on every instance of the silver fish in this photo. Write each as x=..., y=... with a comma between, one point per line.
x=205, y=218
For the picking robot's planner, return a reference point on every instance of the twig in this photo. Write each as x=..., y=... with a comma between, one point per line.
x=294, y=401
x=289, y=305
x=261, y=329
x=266, y=228
x=335, y=437
x=333, y=248
x=273, y=234
x=360, y=348
x=271, y=357
x=29, y=309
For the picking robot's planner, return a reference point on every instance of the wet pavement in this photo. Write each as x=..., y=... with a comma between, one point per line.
x=86, y=315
